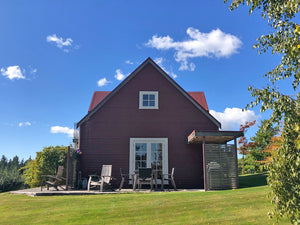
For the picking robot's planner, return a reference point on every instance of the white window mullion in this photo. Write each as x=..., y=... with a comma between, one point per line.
x=148, y=104
x=148, y=154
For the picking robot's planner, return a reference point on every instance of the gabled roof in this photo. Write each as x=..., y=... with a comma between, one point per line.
x=200, y=98
x=98, y=96
x=203, y=109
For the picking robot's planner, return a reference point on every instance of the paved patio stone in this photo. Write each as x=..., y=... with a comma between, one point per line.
x=33, y=192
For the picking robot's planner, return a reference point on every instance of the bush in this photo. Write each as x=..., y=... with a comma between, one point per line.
x=10, y=174
x=251, y=165
x=10, y=180
x=45, y=163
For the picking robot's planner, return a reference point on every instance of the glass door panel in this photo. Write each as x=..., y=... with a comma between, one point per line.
x=140, y=155
x=156, y=156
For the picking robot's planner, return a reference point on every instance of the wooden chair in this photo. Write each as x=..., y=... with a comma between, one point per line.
x=103, y=180
x=124, y=178
x=169, y=177
x=145, y=176
x=53, y=181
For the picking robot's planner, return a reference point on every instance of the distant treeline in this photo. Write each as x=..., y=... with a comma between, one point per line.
x=16, y=174
x=11, y=173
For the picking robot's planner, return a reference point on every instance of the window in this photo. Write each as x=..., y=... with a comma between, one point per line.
x=148, y=100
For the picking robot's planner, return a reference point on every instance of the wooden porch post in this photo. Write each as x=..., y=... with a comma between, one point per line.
x=237, y=166
x=67, y=172
x=204, y=164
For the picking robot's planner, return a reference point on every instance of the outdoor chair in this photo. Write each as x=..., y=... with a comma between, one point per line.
x=145, y=176
x=53, y=181
x=103, y=181
x=124, y=177
x=169, y=177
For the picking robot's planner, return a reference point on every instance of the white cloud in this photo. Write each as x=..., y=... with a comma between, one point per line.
x=173, y=75
x=60, y=43
x=62, y=130
x=119, y=75
x=23, y=124
x=215, y=43
x=233, y=117
x=12, y=72
x=192, y=66
x=102, y=82
x=33, y=70
x=129, y=62
x=159, y=61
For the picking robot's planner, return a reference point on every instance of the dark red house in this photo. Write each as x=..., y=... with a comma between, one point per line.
x=148, y=120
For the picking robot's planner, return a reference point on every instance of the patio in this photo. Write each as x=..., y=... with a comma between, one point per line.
x=34, y=192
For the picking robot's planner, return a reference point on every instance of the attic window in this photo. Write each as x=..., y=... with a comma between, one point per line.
x=148, y=100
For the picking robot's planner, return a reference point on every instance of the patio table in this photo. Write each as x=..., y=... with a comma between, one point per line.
x=156, y=174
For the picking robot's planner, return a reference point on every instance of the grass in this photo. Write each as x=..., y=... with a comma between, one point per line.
x=242, y=206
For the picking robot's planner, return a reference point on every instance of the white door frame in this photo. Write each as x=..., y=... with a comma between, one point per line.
x=164, y=142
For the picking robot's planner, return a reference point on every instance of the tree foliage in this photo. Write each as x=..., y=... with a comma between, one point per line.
x=264, y=138
x=244, y=145
x=284, y=176
x=10, y=174
x=45, y=163
x=251, y=166
x=259, y=151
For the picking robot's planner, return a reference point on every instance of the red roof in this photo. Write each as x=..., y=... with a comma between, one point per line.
x=200, y=98
x=98, y=96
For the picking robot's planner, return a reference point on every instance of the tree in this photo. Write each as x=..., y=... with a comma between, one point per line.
x=244, y=145
x=10, y=174
x=3, y=162
x=284, y=176
x=272, y=147
x=263, y=137
x=250, y=165
x=46, y=162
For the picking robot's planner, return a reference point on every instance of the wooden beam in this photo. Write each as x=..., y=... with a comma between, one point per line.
x=237, y=166
x=220, y=133
x=67, y=172
x=204, y=164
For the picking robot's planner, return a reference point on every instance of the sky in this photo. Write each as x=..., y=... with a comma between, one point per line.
x=54, y=54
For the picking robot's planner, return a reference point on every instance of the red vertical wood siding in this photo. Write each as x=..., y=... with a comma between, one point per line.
x=104, y=138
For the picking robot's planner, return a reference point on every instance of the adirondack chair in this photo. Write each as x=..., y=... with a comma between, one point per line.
x=124, y=178
x=169, y=177
x=103, y=180
x=145, y=176
x=54, y=181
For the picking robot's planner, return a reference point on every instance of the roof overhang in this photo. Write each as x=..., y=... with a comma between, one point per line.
x=213, y=137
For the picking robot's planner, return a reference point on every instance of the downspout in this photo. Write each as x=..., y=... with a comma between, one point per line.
x=204, y=163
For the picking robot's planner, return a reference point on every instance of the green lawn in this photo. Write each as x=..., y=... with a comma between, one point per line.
x=243, y=206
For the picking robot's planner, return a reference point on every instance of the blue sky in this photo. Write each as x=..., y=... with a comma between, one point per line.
x=54, y=54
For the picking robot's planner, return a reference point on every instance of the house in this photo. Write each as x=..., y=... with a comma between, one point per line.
x=148, y=120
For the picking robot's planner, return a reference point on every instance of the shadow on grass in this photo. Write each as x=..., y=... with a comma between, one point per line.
x=253, y=180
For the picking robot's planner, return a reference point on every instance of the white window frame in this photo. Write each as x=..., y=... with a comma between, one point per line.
x=155, y=93
x=148, y=141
